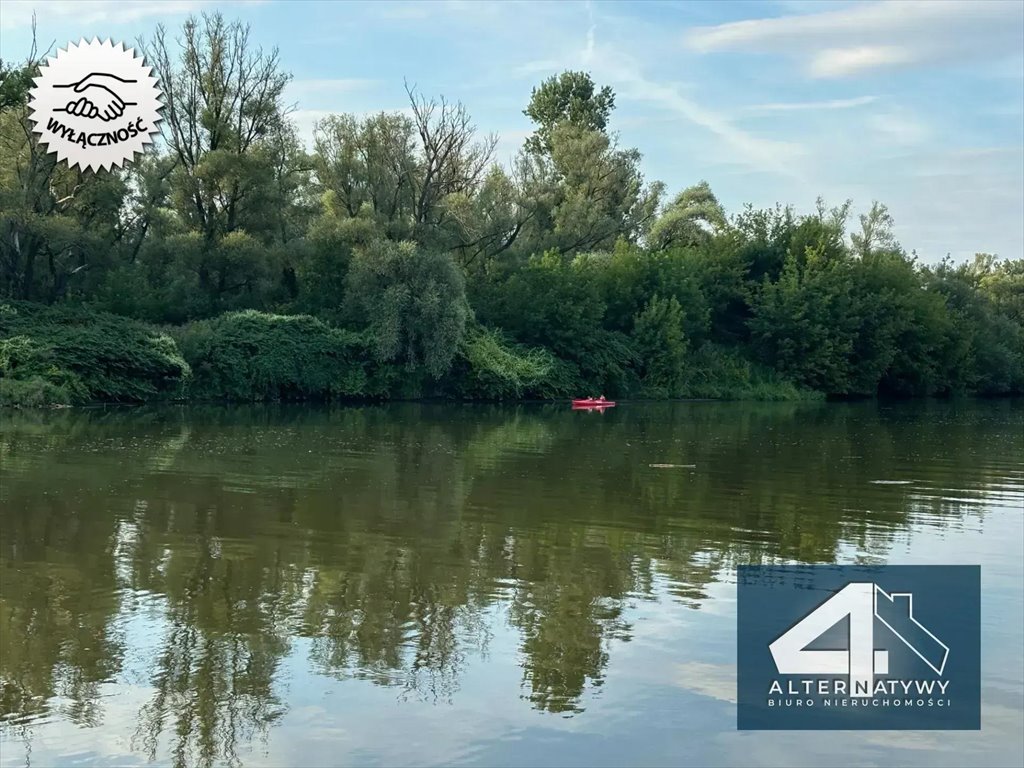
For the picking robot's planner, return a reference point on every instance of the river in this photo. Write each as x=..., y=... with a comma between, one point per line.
x=420, y=584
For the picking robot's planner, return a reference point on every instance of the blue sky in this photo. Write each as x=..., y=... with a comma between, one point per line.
x=917, y=104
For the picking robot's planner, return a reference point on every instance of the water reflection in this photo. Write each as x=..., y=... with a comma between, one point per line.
x=193, y=554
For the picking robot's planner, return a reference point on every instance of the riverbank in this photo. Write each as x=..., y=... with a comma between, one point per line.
x=54, y=356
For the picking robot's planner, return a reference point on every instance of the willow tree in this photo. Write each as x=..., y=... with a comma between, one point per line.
x=413, y=303
x=692, y=218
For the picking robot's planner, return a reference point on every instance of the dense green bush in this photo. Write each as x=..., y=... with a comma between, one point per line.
x=51, y=355
x=252, y=355
x=661, y=346
x=722, y=373
x=490, y=367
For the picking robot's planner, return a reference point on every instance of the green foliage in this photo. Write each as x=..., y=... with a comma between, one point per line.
x=15, y=83
x=720, y=373
x=597, y=193
x=801, y=324
x=248, y=355
x=691, y=219
x=570, y=98
x=660, y=346
x=414, y=304
x=323, y=263
x=69, y=355
x=490, y=367
x=984, y=350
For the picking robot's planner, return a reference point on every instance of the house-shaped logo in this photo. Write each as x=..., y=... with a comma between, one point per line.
x=867, y=607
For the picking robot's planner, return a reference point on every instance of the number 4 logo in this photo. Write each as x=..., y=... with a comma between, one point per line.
x=863, y=602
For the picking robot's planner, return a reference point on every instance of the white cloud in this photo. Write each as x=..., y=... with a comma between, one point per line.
x=843, y=62
x=305, y=121
x=18, y=13
x=811, y=106
x=717, y=681
x=612, y=65
x=876, y=35
x=588, y=51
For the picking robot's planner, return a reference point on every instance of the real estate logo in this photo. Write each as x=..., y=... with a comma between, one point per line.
x=95, y=104
x=858, y=647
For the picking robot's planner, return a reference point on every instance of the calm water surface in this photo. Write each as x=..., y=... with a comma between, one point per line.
x=478, y=585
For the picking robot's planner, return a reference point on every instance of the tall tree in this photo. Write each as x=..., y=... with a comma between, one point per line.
x=571, y=97
x=412, y=176
x=223, y=104
x=596, y=191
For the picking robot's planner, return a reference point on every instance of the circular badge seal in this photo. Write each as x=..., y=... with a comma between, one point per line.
x=95, y=104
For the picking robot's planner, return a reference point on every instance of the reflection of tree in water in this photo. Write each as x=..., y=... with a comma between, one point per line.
x=390, y=541
x=213, y=675
x=386, y=619
x=567, y=608
x=58, y=638
x=212, y=692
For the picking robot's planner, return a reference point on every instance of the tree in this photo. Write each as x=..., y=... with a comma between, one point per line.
x=875, y=232
x=453, y=161
x=803, y=324
x=57, y=224
x=1003, y=283
x=223, y=112
x=496, y=219
x=660, y=345
x=572, y=98
x=413, y=301
x=238, y=169
x=596, y=194
x=413, y=176
x=366, y=168
x=691, y=219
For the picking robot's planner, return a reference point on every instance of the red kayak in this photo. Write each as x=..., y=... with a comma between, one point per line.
x=590, y=402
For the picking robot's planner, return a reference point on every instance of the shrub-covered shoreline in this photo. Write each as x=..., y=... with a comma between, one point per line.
x=61, y=356
x=65, y=356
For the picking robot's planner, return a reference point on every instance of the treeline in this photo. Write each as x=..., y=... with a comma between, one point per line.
x=396, y=258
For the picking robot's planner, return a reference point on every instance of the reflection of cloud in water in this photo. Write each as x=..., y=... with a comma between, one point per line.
x=1001, y=742
x=717, y=681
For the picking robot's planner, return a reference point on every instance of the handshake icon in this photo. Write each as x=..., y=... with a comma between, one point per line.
x=97, y=97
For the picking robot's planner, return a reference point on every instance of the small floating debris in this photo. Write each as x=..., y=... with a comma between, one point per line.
x=890, y=482
x=673, y=466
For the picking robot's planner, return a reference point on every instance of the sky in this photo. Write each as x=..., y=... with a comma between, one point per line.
x=919, y=105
